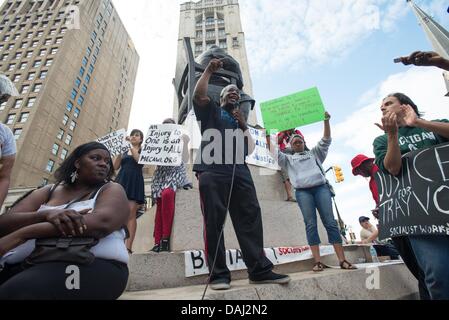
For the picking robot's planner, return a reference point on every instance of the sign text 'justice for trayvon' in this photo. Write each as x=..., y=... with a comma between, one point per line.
x=416, y=202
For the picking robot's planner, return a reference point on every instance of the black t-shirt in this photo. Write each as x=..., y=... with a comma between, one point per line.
x=222, y=143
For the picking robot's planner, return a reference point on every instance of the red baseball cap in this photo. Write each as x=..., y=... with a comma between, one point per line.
x=357, y=162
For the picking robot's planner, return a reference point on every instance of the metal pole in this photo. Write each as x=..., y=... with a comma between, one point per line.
x=340, y=221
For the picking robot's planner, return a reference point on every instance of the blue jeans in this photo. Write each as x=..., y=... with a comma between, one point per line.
x=432, y=255
x=311, y=199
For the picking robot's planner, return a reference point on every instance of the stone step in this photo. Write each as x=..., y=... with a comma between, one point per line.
x=395, y=283
x=152, y=271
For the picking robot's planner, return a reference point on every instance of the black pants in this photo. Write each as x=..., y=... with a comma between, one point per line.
x=402, y=244
x=102, y=280
x=387, y=250
x=246, y=217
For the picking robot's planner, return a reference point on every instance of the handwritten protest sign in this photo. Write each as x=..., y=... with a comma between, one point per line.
x=163, y=145
x=417, y=201
x=261, y=156
x=116, y=142
x=293, y=111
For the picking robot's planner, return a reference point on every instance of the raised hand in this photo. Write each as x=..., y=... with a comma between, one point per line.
x=389, y=123
x=214, y=66
x=410, y=117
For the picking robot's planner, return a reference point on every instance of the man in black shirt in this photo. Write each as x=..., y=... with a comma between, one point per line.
x=225, y=178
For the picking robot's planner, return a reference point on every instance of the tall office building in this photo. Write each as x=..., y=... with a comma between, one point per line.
x=74, y=66
x=208, y=23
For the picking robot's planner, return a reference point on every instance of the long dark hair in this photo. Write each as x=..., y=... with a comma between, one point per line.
x=65, y=171
x=403, y=99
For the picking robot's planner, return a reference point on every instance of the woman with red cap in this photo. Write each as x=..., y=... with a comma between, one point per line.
x=313, y=193
x=284, y=139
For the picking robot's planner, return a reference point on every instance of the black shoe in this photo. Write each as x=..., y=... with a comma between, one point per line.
x=270, y=278
x=156, y=248
x=165, y=245
x=220, y=284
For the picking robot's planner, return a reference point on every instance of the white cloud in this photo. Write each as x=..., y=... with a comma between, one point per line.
x=288, y=34
x=395, y=11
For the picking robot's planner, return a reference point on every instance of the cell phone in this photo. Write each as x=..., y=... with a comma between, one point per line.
x=398, y=60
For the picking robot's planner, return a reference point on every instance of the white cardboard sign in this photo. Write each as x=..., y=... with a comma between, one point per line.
x=116, y=142
x=163, y=145
x=261, y=156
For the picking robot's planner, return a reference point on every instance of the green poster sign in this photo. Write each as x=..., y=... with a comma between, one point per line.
x=293, y=111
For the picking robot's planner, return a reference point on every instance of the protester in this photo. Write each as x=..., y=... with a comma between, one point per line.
x=284, y=139
x=430, y=58
x=369, y=235
x=131, y=178
x=167, y=180
x=225, y=182
x=82, y=204
x=7, y=142
x=365, y=167
x=426, y=256
x=313, y=193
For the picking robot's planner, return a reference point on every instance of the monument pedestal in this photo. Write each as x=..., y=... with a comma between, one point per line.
x=283, y=222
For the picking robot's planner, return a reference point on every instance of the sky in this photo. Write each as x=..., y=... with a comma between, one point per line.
x=344, y=47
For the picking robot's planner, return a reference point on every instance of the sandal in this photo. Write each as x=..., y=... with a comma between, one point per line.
x=319, y=267
x=345, y=265
x=290, y=200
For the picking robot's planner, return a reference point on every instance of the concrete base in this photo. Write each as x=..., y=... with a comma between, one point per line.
x=167, y=270
x=395, y=283
x=282, y=221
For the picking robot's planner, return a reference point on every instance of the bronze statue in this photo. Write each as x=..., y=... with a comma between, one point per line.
x=231, y=74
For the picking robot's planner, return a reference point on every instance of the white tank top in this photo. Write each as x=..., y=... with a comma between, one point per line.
x=111, y=247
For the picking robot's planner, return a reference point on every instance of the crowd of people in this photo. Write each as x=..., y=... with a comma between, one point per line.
x=92, y=216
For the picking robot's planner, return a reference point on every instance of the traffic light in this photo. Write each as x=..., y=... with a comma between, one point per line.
x=338, y=172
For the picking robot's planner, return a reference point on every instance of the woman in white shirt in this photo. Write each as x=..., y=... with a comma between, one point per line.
x=82, y=204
